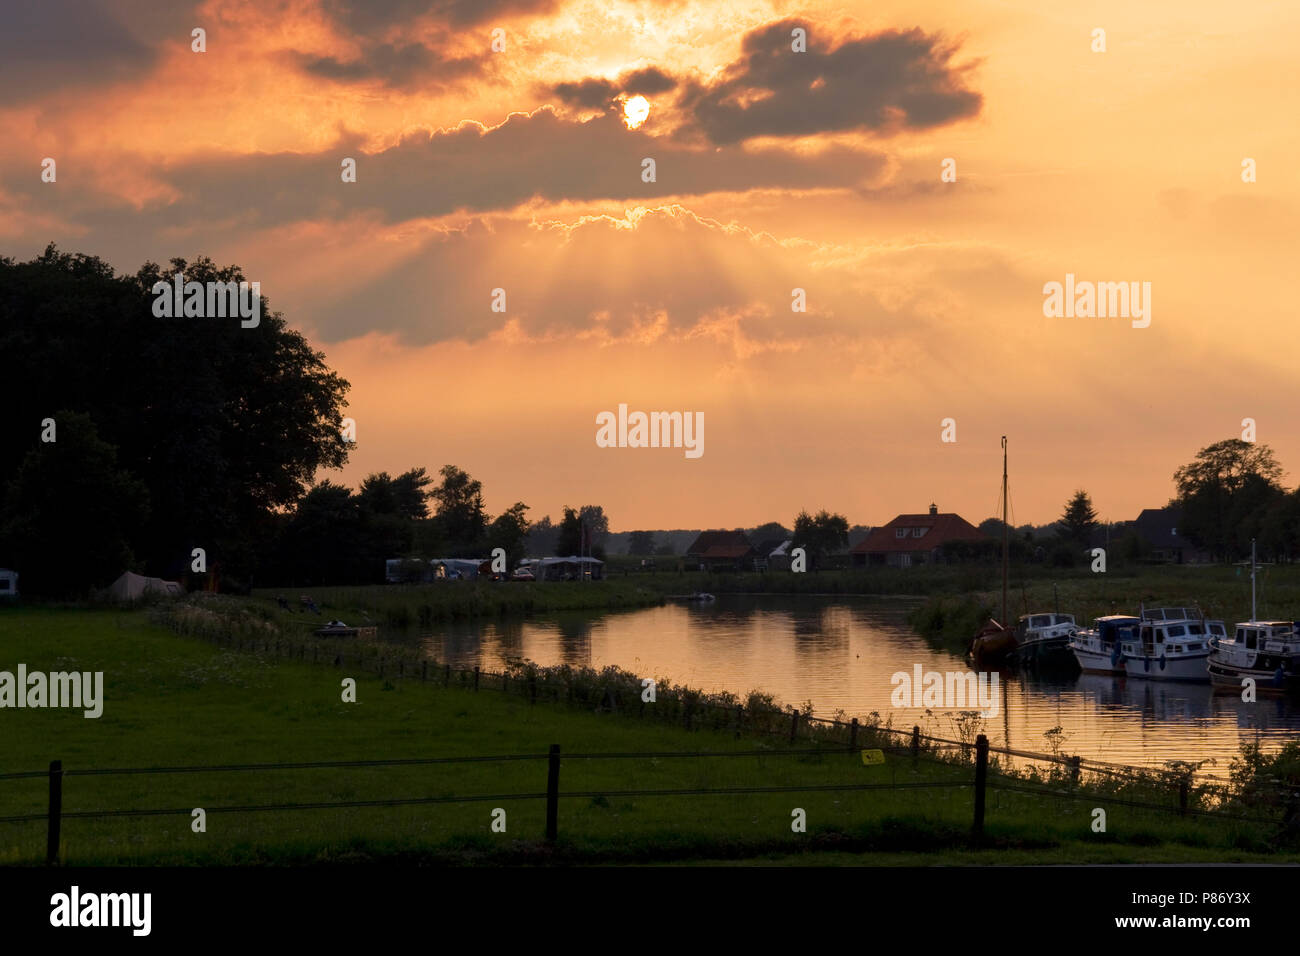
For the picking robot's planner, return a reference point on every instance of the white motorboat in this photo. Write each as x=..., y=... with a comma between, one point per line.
x=1098, y=648
x=1172, y=643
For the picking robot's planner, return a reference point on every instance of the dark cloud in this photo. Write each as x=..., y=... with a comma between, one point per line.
x=56, y=43
x=367, y=16
x=882, y=82
x=589, y=94
x=538, y=155
x=399, y=66
x=595, y=92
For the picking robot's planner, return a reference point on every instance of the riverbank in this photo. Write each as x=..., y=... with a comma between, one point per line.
x=251, y=695
x=949, y=619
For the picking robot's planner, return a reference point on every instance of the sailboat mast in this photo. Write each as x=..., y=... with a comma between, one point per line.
x=1252, y=580
x=1006, y=531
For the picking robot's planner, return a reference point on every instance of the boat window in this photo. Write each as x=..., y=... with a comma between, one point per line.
x=1250, y=640
x=1195, y=647
x=1195, y=629
x=1218, y=629
x=1040, y=620
x=1241, y=634
x=1160, y=636
x=1178, y=630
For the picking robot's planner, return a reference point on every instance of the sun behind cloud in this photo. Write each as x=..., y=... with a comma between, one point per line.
x=635, y=111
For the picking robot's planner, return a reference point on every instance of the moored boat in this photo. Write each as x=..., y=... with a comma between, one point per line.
x=1267, y=652
x=1043, y=640
x=994, y=644
x=1172, y=643
x=336, y=629
x=1098, y=648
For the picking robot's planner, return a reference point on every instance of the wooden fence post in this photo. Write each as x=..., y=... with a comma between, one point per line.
x=853, y=734
x=1182, y=796
x=1075, y=764
x=476, y=678
x=532, y=690
x=553, y=794
x=981, y=778
x=794, y=725
x=446, y=675
x=916, y=741
x=424, y=669
x=55, y=813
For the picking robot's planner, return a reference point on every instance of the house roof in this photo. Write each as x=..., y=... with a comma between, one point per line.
x=939, y=528
x=772, y=545
x=720, y=544
x=1159, y=526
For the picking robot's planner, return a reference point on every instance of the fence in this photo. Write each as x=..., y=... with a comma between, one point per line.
x=979, y=782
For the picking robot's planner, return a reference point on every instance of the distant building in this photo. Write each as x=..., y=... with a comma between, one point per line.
x=913, y=539
x=1158, y=529
x=572, y=568
x=721, y=551
x=773, y=554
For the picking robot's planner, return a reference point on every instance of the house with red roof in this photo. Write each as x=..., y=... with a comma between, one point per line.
x=721, y=550
x=913, y=539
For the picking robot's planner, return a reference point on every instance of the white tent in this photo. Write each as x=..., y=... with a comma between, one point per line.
x=132, y=587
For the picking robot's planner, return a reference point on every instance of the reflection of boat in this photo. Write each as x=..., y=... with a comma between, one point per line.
x=1043, y=640
x=1097, y=649
x=699, y=597
x=1268, y=652
x=1172, y=643
x=336, y=629
x=994, y=643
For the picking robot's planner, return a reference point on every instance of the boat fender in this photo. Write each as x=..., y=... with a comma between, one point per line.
x=1162, y=662
x=1146, y=664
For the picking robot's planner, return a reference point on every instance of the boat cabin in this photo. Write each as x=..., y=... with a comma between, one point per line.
x=1273, y=636
x=1031, y=626
x=1116, y=628
x=1183, y=637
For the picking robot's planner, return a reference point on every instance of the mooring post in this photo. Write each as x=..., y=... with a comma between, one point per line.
x=553, y=794
x=55, y=813
x=981, y=778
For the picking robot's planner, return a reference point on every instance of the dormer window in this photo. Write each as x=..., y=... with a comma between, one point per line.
x=919, y=532
x=900, y=533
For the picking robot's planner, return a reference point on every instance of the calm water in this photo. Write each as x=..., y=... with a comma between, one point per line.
x=840, y=653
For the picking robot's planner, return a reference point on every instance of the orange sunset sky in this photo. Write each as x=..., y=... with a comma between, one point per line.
x=480, y=169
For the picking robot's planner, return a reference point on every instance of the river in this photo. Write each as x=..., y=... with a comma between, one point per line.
x=840, y=653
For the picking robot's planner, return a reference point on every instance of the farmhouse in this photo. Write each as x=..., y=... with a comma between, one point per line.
x=721, y=551
x=913, y=539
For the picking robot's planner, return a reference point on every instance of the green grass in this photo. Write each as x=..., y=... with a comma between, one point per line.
x=177, y=700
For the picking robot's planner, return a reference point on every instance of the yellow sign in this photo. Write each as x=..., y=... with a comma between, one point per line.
x=872, y=757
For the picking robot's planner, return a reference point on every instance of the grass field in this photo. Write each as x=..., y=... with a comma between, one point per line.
x=172, y=700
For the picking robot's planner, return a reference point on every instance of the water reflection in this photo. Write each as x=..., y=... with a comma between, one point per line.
x=841, y=653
